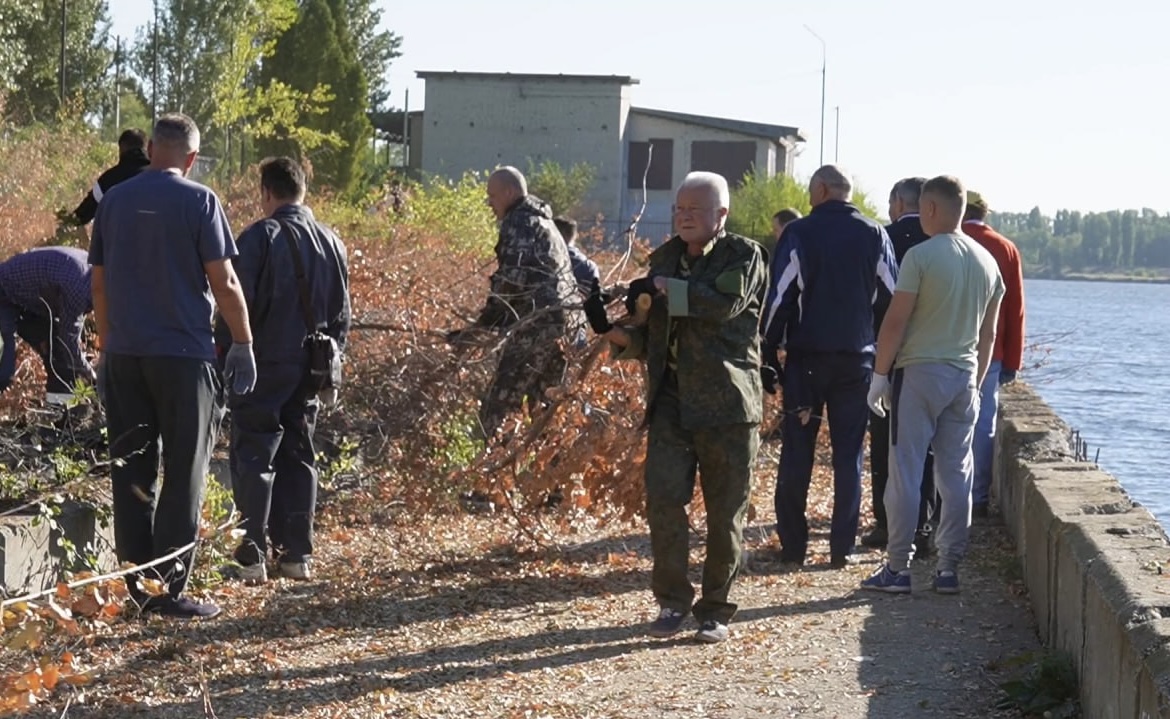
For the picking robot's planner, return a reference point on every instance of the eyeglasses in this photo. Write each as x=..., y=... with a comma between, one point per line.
x=676, y=210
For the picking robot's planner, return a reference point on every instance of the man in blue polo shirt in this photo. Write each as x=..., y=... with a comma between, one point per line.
x=161, y=251
x=832, y=270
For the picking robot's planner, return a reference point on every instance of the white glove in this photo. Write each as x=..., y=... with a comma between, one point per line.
x=879, y=394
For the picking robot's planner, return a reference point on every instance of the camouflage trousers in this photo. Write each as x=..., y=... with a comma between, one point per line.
x=724, y=456
x=531, y=361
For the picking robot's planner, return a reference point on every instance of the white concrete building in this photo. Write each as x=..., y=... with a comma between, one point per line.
x=478, y=121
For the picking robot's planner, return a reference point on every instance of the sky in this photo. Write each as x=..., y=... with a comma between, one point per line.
x=1055, y=103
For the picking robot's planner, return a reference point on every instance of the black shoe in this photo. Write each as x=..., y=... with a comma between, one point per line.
x=181, y=608
x=876, y=539
x=668, y=623
x=839, y=561
x=980, y=510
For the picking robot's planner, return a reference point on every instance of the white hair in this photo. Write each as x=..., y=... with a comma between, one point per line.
x=713, y=182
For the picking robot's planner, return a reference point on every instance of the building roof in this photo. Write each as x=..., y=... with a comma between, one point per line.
x=753, y=129
x=618, y=79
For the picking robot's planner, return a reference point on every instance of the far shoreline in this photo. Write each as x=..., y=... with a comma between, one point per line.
x=1088, y=277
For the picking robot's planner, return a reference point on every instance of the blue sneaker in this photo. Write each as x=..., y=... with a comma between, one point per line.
x=946, y=582
x=668, y=623
x=887, y=580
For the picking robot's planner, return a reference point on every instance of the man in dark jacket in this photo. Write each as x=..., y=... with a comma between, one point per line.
x=905, y=231
x=832, y=269
x=132, y=159
x=274, y=475
x=704, y=401
x=532, y=291
x=44, y=298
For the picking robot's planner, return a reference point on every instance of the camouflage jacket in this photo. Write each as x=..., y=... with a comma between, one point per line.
x=534, y=277
x=714, y=315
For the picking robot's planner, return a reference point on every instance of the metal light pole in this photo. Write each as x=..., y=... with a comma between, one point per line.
x=837, y=138
x=824, y=55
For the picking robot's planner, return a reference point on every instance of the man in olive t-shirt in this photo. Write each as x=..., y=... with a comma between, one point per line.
x=936, y=338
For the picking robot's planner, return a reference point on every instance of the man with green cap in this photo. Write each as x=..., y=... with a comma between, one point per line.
x=1008, y=353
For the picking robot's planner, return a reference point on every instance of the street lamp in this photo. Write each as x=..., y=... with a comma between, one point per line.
x=823, y=65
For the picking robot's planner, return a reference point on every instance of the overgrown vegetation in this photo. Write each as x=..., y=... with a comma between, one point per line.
x=754, y=202
x=565, y=188
x=404, y=432
x=1046, y=686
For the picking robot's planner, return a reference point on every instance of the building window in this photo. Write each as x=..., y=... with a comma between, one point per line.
x=733, y=160
x=661, y=174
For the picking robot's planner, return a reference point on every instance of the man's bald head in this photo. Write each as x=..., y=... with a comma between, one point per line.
x=830, y=182
x=505, y=187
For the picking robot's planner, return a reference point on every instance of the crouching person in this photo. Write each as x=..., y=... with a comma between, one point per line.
x=704, y=399
x=295, y=278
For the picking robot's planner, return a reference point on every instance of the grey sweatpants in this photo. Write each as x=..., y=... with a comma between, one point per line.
x=934, y=405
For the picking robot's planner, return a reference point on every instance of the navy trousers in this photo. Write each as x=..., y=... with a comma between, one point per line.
x=273, y=464
x=814, y=382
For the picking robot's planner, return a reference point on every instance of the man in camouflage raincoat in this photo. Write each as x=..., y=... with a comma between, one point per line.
x=532, y=293
x=704, y=399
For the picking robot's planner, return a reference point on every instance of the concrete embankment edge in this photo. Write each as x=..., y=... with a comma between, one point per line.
x=1096, y=564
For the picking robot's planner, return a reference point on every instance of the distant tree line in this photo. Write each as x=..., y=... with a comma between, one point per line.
x=1116, y=241
x=304, y=77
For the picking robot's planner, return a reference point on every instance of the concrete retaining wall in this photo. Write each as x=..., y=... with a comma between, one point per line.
x=1097, y=565
x=30, y=558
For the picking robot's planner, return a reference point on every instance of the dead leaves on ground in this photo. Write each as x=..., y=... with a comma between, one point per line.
x=40, y=638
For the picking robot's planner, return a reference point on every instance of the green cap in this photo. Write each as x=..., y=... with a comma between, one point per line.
x=974, y=199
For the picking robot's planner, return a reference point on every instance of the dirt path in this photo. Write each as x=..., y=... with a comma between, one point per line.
x=442, y=620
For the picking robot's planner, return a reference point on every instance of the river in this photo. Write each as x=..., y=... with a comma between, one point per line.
x=1103, y=366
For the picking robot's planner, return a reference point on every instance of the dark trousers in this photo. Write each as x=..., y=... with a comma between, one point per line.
x=724, y=456
x=45, y=336
x=812, y=382
x=175, y=402
x=274, y=475
x=879, y=472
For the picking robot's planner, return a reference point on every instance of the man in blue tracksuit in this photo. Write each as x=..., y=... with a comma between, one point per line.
x=832, y=270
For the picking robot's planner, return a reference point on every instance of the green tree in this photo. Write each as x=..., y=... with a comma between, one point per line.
x=274, y=110
x=16, y=17
x=564, y=189
x=189, y=51
x=755, y=201
x=376, y=49
x=34, y=71
x=319, y=52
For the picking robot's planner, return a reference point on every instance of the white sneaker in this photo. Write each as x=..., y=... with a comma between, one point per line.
x=296, y=570
x=254, y=573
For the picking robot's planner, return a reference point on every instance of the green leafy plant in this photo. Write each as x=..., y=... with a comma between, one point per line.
x=565, y=189
x=456, y=210
x=1047, y=686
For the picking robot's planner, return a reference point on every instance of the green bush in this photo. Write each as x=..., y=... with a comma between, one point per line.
x=454, y=209
x=755, y=201
x=564, y=189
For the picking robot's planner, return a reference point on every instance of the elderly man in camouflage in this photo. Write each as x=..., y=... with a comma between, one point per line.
x=532, y=293
x=704, y=399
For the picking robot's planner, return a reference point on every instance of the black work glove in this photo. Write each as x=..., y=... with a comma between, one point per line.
x=639, y=287
x=596, y=314
x=771, y=373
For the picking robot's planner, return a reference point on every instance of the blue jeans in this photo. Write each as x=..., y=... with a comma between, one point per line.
x=983, y=446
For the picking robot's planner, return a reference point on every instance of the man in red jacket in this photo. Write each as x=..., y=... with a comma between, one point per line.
x=1009, y=343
